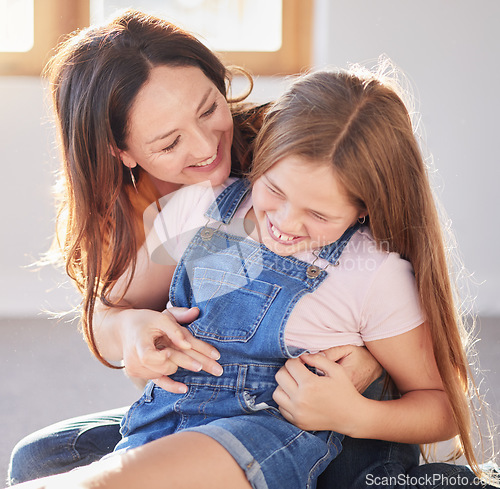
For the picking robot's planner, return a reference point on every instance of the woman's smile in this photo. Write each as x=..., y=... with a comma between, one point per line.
x=210, y=163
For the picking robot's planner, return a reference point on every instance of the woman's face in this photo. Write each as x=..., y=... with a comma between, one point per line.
x=180, y=129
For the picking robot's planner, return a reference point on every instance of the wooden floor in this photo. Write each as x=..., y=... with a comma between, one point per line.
x=47, y=374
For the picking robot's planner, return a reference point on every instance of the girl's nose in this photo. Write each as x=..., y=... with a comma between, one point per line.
x=288, y=220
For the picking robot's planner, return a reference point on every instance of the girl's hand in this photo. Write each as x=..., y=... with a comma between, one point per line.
x=154, y=345
x=359, y=364
x=317, y=402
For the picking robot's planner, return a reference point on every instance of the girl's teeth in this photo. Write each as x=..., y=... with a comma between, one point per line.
x=207, y=162
x=283, y=237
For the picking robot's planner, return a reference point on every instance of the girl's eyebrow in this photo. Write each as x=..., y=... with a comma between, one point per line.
x=201, y=104
x=273, y=183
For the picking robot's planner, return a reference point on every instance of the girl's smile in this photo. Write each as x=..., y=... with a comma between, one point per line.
x=280, y=236
x=299, y=205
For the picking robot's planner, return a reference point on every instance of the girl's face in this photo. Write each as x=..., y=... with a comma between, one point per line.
x=180, y=129
x=299, y=205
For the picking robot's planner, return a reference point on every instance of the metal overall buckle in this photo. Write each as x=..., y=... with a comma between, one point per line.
x=313, y=271
x=206, y=233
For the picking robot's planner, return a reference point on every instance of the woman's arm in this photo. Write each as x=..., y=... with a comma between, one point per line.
x=421, y=415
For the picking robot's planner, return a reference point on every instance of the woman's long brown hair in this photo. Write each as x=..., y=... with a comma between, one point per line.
x=94, y=78
x=356, y=121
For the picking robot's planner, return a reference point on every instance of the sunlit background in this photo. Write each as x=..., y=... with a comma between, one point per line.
x=16, y=25
x=224, y=25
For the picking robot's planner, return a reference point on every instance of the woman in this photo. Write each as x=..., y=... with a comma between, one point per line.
x=123, y=149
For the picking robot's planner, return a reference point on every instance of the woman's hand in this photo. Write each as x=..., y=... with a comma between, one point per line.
x=317, y=402
x=359, y=364
x=154, y=345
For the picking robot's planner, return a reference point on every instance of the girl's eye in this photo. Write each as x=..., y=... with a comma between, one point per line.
x=273, y=191
x=210, y=111
x=171, y=146
x=319, y=217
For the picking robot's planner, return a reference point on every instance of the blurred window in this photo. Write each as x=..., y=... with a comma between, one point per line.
x=17, y=26
x=267, y=37
x=30, y=29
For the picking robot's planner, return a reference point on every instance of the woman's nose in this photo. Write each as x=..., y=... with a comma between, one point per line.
x=203, y=144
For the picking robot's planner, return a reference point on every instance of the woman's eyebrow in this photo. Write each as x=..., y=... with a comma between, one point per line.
x=204, y=98
x=202, y=103
x=161, y=136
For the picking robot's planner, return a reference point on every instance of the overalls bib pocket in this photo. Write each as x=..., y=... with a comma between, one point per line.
x=245, y=314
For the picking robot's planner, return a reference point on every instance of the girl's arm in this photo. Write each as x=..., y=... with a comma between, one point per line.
x=143, y=335
x=331, y=402
x=423, y=413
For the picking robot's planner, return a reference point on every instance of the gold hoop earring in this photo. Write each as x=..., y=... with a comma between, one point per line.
x=133, y=179
x=362, y=220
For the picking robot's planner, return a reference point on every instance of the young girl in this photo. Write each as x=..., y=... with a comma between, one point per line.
x=341, y=222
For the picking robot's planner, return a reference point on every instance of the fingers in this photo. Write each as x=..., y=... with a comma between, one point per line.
x=338, y=353
x=201, y=346
x=149, y=364
x=183, y=315
x=195, y=361
x=171, y=328
x=170, y=385
x=160, y=346
x=359, y=364
x=322, y=363
x=288, y=378
x=201, y=355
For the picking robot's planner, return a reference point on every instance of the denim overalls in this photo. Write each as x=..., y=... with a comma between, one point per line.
x=245, y=294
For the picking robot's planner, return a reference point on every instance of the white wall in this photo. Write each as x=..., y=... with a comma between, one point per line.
x=448, y=48
x=28, y=161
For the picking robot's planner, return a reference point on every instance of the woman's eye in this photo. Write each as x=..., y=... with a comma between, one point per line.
x=210, y=111
x=171, y=146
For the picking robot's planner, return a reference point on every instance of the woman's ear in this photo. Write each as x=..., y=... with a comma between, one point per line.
x=123, y=156
x=127, y=160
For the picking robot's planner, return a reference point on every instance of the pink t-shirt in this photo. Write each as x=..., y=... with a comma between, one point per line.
x=370, y=295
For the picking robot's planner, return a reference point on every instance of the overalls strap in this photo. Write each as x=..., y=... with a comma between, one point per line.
x=228, y=201
x=333, y=251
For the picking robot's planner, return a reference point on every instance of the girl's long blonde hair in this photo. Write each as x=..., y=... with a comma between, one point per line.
x=357, y=120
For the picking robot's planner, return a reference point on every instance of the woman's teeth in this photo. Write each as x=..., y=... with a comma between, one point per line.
x=279, y=235
x=207, y=162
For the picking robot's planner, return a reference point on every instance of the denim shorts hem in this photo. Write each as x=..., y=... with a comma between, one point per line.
x=238, y=451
